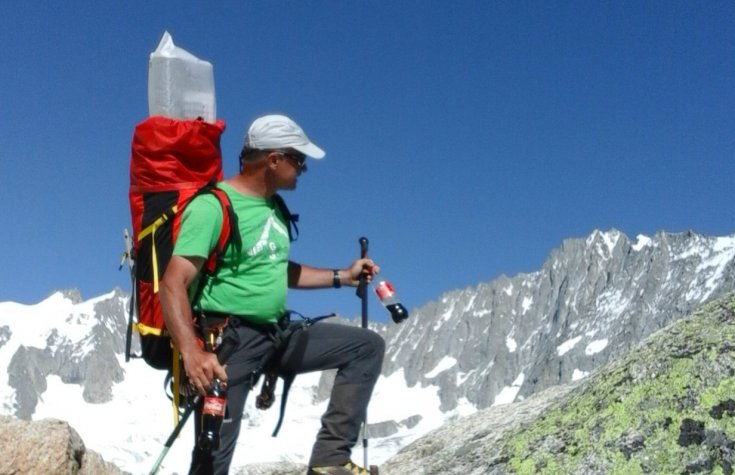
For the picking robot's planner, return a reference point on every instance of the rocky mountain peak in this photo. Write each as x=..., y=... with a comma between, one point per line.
x=593, y=299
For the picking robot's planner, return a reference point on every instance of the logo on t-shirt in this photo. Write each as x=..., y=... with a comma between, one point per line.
x=267, y=243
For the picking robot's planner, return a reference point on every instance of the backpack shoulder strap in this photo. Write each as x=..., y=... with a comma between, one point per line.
x=229, y=234
x=291, y=219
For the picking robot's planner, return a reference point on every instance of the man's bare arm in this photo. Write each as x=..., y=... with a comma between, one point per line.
x=201, y=367
x=302, y=276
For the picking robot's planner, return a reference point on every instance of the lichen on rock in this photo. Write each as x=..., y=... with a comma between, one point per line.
x=666, y=407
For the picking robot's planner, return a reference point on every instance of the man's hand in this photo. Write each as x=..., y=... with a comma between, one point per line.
x=202, y=367
x=360, y=267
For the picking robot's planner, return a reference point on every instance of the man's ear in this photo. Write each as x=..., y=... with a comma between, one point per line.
x=272, y=160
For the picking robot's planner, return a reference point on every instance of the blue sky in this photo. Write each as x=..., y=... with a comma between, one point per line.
x=465, y=139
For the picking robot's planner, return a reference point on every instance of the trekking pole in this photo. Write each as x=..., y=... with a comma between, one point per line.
x=174, y=435
x=362, y=286
x=129, y=258
x=362, y=293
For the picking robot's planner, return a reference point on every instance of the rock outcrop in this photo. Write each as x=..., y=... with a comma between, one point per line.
x=47, y=446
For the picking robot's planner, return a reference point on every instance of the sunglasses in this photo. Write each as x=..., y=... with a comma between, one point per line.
x=298, y=159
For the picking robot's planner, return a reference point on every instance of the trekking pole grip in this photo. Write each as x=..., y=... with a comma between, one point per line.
x=363, y=247
x=362, y=286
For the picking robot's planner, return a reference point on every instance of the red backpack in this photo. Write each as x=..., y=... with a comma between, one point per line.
x=171, y=162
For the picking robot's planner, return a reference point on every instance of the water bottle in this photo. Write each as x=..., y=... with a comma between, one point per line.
x=213, y=412
x=388, y=297
x=180, y=85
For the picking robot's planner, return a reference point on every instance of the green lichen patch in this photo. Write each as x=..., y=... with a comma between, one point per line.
x=667, y=407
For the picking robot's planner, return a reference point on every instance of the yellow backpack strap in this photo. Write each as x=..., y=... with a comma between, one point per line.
x=151, y=229
x=176, y=382
x=147, y=330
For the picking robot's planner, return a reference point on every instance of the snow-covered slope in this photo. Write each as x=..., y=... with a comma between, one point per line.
x=58, y=338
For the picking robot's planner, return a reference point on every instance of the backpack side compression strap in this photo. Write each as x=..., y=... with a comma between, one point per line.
x=151, y=230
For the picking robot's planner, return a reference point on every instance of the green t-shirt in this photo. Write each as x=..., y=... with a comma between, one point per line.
x=254, y=282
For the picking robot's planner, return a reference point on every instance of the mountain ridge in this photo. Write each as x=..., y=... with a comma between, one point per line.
x=498, y=342
x=586, y=287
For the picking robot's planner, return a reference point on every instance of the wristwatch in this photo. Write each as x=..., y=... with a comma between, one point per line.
x=336, y=282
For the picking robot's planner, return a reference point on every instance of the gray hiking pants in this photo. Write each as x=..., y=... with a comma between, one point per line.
x=356, y=353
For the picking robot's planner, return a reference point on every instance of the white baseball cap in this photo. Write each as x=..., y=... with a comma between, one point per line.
x=273, y=132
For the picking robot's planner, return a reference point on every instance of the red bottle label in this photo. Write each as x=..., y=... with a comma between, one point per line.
x=384, y=290
x=214, y=406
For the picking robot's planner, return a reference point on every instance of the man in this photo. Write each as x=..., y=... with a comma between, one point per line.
x=250, y=288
